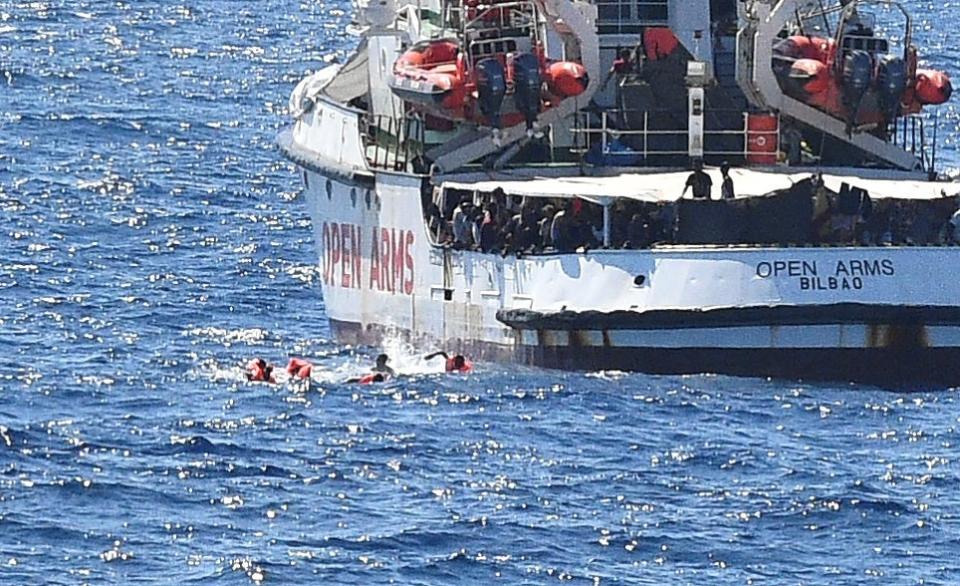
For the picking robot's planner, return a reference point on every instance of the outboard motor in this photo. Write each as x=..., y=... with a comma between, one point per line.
x=891, y=84
x=491, y=89
x=857, y=76
x=527, y=84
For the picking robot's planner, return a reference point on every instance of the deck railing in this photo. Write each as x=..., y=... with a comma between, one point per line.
x=393, y=144
x=909, y=133
x=645, y=141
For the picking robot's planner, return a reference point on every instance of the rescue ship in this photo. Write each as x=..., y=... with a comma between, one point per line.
x=673, y=186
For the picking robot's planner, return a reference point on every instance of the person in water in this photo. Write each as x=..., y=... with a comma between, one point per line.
x=380, y=373
x=299, y=368
x=381, y=366
x=458, y=363
x=367, y=379
x=260, y=371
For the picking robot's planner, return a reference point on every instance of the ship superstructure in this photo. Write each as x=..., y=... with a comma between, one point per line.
x=713, y=186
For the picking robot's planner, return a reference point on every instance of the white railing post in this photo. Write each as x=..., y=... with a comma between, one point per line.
x=646, y=120
x=603, y=136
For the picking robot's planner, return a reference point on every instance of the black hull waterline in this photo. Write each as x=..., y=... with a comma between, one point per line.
x=907, y=348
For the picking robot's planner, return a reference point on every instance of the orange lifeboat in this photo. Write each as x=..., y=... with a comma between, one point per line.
x=433, y=76
x=811, y=70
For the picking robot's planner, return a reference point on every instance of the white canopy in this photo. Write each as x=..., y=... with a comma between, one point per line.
x=662, y=187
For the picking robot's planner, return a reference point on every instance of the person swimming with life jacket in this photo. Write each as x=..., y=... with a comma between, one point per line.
x=298, y=369
x=380, y=373
x=260, y=371
x=457, y=363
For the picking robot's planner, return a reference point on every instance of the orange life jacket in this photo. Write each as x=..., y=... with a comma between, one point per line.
x=299, y=368
x=452, y=367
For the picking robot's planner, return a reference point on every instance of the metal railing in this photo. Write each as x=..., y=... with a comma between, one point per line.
x=909, y=133
x=642, y=139
x=393, y=144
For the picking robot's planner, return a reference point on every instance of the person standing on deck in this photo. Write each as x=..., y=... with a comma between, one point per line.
x=726, y=188
x=698, y=181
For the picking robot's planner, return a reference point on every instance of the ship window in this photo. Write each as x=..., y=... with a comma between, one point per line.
x=629, y=16
x=329, y=189
x=306, y=180
x=640, y=280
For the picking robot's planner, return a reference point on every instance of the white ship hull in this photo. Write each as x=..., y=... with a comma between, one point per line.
x=878, y=313
x=863, y=313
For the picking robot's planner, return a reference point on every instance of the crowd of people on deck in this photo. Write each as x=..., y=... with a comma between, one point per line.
x=512, y=225
x=498, y=223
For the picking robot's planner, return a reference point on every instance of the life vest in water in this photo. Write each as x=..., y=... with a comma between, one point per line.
x=299, y=368
x=452, y=366
x=373, y=377
x=259, y=371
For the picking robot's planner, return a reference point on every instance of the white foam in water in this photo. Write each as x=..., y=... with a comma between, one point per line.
x=405, y=359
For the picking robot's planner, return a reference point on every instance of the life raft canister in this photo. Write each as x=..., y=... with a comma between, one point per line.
x=299, y=368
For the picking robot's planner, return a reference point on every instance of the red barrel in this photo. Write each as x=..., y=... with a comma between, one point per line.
x=762, y=139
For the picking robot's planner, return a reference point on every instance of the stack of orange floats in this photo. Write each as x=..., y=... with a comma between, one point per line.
x=813, y=70
x=434, y=76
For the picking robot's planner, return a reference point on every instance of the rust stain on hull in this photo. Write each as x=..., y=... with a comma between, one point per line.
x=898, y=336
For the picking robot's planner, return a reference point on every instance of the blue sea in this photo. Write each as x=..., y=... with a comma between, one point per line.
x=152, y=240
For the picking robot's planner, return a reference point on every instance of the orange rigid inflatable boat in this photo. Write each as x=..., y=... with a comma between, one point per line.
x=813, y=70
x=436, y=77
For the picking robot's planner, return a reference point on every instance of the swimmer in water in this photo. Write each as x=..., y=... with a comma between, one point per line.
x=378, y=374
x=458, y=363
x=299, y=368
x=367, y=379
x=381, y=366
x=260, y=371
